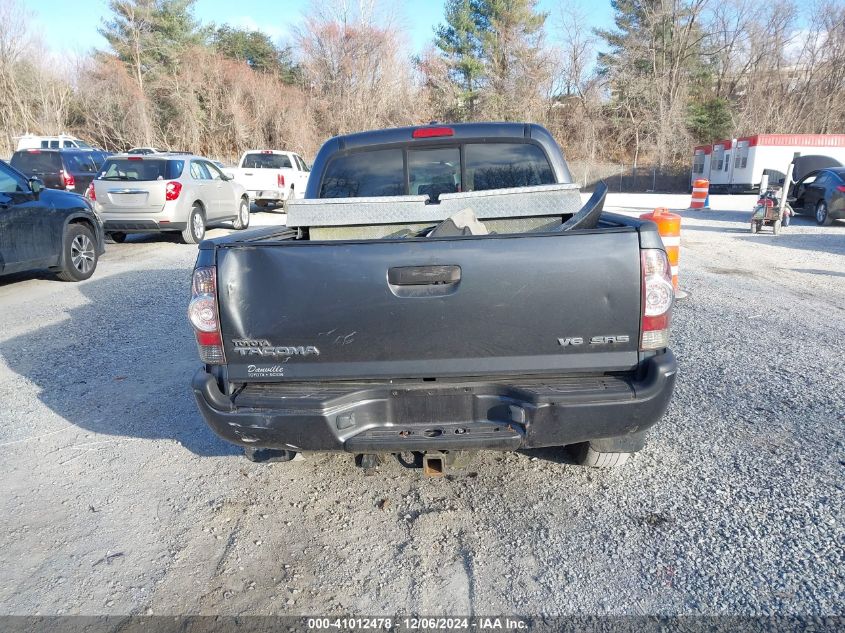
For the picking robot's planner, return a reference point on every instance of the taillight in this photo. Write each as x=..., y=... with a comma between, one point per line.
x=841, y=188
x=658, y=295
x=67, y=179
x=203, y=314
x=172, y=190
x=91, y=193
x=281, y=180
x=432, y=132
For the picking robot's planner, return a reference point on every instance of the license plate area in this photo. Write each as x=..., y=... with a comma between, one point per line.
x=129, y=200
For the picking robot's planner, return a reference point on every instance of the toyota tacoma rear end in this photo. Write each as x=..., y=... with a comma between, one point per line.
x=394, y=336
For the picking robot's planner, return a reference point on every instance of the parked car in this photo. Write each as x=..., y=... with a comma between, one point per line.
x=271, y=176
x=554, y=331
x=166, y=192
x=68, y=169
x=62, y=141
x=821, y=194
x=45, y=228
x=144, y=151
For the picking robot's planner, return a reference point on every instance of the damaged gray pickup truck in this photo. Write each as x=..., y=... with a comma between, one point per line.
x=440, y=290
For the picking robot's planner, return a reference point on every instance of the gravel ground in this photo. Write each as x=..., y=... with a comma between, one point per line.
x=117, y=499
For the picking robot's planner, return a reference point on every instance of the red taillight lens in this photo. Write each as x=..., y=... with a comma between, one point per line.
x=281, y=180
x=841, y=188
x=658, y=295
x=91, y=193
x=172, y=190
x=432, y=132
x=134, y=158
x=67, y=179
x=203, y=314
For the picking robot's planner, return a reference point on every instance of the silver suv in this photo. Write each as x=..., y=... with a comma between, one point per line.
x=166, y=192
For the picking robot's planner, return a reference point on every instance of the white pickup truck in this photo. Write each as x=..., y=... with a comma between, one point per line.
x=271, y=177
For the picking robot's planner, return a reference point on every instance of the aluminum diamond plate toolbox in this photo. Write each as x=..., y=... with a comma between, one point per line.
x=519, y=202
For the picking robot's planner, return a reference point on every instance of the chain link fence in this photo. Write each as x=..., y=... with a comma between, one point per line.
x=629, y=179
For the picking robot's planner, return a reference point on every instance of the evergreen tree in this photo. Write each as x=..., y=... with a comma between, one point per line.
x=150, y=35
x=459, y=42
x=655, y=57
x=493, y=49
x=256, y=49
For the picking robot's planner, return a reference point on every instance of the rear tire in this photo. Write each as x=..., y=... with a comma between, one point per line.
x=753, y=227
x=822, y=216
x=195, y=230
x=586, y=455
x=118, y=237
x=80, y=254
x=242, y=221
x=268, y=455
x=776, y=227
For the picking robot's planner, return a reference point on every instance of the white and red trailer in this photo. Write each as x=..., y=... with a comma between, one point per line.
x=738, y=165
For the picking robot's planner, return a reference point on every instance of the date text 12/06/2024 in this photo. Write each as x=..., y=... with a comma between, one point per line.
x=418, y=624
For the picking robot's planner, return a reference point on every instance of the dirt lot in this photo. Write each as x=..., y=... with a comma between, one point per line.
x=117, y=499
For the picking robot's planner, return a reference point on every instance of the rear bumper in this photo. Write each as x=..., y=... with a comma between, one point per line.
x=453, y=415
x=141, y=226
x=267, y=194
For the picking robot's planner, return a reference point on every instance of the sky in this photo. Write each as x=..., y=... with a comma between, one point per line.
x=71, y=27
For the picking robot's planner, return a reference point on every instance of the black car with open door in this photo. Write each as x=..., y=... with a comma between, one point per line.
x=46, y=228
x=820, y=194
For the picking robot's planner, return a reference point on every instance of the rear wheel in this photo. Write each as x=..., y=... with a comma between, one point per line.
x=80, y=254
x=609, y=451
x=118, y=237
x=195, y=230
x=242, y=221
x=268, y=455
x=753, y=227
x=586, y=455
x=822, y=216
x=776, y=227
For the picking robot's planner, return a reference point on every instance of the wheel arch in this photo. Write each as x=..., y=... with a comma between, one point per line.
x=88, y=222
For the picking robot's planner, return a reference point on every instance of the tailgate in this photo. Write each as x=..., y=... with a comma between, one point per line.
x=259, y=179
x=431, y=307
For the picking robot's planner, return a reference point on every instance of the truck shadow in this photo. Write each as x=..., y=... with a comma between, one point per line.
x=121, y=364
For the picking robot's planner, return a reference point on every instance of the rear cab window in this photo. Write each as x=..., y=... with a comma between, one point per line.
x=502, y=165
x=260, y=160
x=37, y=162
x=369, y=173
x=435, y=170
x=141, y=169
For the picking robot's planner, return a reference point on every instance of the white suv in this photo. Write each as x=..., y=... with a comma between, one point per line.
x=166, y=192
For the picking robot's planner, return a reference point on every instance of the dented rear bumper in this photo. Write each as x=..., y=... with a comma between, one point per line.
x=501, y=414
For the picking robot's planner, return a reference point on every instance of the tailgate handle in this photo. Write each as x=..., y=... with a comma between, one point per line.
x=423, y=275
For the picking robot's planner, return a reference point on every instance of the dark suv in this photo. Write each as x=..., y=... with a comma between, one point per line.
x=66, y=169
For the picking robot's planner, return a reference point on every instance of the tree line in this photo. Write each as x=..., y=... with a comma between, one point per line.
x=668, y=75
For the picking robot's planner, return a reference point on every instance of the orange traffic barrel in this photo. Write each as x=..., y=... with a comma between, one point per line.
x=700, y=189
x=669, y=227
